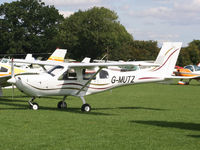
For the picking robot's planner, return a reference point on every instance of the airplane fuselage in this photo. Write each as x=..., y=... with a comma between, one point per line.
x=47, y=84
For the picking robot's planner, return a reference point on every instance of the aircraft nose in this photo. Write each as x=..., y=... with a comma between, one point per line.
x=12, y=80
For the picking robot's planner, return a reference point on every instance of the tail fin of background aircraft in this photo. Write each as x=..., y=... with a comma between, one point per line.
x=58, y=55
x=86, y=60
x=29, y=57
x=167, y=58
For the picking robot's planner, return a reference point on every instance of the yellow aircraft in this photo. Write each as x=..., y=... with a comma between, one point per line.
x=5, y=68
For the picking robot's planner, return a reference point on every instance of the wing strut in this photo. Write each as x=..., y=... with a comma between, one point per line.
x=100, y=68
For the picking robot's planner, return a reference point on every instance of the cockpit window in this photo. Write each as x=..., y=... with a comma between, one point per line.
x=87, y=74
x=129, y=68
x=189, y=67
x=2, y=69
x=4, y=60
x=197, y=68
x=103, y=74
x=70, y=74
x=55, y=70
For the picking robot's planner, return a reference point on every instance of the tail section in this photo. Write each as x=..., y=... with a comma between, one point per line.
x=167, y=58
x=58, y=55
x=86, y=60
x=29, y=57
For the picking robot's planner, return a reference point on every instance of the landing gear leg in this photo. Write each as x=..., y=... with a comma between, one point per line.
x=85, y=107
x=189, y=81
x=62, y=104
x=33, y=105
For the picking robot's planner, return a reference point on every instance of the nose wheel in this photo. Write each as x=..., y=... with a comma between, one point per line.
x=33, y=106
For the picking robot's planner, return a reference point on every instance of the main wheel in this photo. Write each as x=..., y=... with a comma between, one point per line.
x=35, y=106
x=86, y=108
x=62, y=105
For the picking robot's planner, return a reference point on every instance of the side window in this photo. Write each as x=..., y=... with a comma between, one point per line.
x=190, y=68
x=103, y=74
x=70, y=74
x=87, y=74
x=2, y=69
x=196, y=68
x=55, y=70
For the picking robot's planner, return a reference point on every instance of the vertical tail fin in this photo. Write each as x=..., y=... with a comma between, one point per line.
x=58, y=55
x=167, y=58
x=86, y=60
x=29, y=57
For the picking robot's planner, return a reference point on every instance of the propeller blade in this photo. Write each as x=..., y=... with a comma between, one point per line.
x=12, y=68
x=12, y=76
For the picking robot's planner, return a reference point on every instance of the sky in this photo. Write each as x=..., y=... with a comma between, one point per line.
x=157, y=20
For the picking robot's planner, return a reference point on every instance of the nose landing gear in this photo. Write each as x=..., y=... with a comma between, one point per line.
x=32, y=104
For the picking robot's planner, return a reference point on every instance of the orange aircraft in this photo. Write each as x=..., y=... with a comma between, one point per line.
x=188, y=72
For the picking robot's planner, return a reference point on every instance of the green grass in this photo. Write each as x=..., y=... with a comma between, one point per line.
x=141, y=117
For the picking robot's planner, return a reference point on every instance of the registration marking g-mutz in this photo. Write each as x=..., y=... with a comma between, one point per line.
x=122, y=79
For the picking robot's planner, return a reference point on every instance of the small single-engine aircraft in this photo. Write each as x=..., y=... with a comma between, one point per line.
x=5, y=69
x=81, y=79
x=188, y=72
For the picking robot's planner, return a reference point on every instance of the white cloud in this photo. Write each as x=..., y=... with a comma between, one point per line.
x=181, y=12
x=139, y=34
x=188, y=6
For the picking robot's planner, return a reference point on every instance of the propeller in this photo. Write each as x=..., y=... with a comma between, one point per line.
x=12, y=76
x=12, y=80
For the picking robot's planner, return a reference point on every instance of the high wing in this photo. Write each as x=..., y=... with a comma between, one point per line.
x=105, y=65
x=90, y=65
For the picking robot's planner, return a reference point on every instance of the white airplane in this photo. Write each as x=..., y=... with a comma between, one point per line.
x=5, y=69
x=81, y=79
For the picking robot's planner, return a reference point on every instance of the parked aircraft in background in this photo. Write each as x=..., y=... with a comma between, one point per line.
x=188, y=72
x=81, y=79
x=5, y=68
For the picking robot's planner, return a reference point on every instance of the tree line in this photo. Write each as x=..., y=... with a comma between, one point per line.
x=30, y=26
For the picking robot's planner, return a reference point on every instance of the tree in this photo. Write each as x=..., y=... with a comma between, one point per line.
x=190, y=54
x=28, y=26
x=93, y=33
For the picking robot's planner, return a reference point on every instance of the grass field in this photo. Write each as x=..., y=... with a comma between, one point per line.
x=141, y=117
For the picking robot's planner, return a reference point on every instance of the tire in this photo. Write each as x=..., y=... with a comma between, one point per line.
x=62, y=105
x=86, y=108
x=35, y=106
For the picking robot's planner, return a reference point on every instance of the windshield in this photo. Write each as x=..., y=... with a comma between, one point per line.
x=193, y=68
x=55, y=70
x=189, y=67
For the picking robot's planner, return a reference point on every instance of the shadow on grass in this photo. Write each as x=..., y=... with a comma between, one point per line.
x=17, y=106
x=75, y=110
x=10, y=100
x=147, y=108
x=10, y=103
x=167, y=124
x=131, y=108
x=194, y=136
